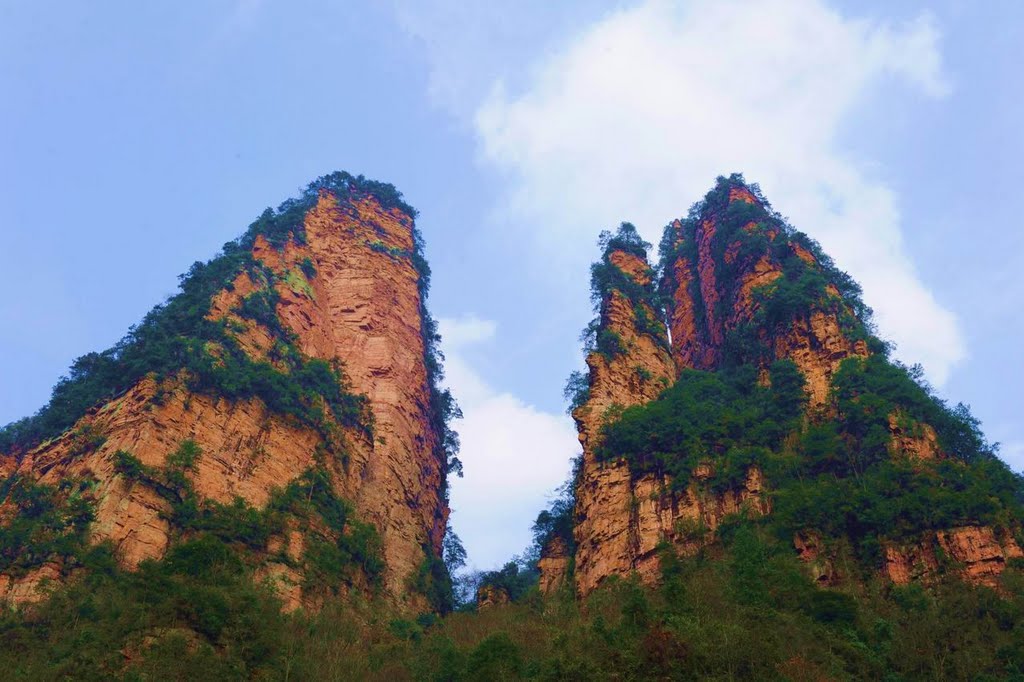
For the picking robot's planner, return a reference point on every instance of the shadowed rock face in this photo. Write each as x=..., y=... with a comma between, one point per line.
x=489, y=596
x=363, y=309
x=554, y=566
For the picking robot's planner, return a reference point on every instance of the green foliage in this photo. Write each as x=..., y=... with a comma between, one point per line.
x=606, y=278
x=330, y=560
x=718, y=417
x=743, y=611
x=129, y=466
x=577, y=391
x=558, y=520
x=609, y=344
x=48, y=523
x=495, y=658
x=195, y=615
x=514, y=579
x=835, y=474
x=433, y=580
x=393, y=251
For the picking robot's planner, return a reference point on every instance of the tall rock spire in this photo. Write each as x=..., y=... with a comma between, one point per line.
x=779, y=403
x=301, y=360
x=733, y=273
x=630, y=364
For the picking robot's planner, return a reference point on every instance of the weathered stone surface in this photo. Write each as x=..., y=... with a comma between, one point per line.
x=819, y=564
x=621, y=517
x=913, y=439
x=363, y=307
x=31, y=586
x=554, y=565
x=978, y=553
x=604, y=529
x=815, y=343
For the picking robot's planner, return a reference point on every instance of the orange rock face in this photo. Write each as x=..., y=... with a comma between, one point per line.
x=604, y=516
x=30, y=587
x=362, y=308
x=725, y=265
x=977, y=553
x=554, y=565
x=687, y=520
x=365, y=309
x=703, y=315
x=622, y=518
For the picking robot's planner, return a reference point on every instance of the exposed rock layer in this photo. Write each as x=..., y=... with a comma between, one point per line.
x=717, y=280
x=622, y=518
x=361, y=308
x=707, y=305
x=978, y=553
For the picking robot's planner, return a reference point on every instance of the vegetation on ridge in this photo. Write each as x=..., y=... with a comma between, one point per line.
x=834, y=471
x=177, y=341
x=606, y=278
x=743, y=233
x=176, y=335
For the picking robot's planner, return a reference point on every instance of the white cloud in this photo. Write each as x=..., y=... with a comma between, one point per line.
x=635, y=117
x=513, y=454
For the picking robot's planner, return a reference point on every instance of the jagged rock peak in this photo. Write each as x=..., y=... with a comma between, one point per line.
x=777, y=404
x=743, y=286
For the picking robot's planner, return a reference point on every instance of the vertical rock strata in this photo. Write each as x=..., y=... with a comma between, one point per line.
x=714, y=279
x=621, y=518
x=606, y=530
x=740, y=287
x=363, y=309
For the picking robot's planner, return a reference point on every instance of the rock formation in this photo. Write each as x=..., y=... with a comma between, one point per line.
x=717, y=278
x=622, y=517
x=346, y=287
x=635, y=374
x=741, y=289
x=489, y=596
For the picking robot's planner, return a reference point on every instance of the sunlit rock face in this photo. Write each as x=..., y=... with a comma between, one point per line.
x=713, y=281
x=347, y=292
x=621, y=517
x=727, y=286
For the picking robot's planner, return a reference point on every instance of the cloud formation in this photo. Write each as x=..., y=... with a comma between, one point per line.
x=512, y=453
x=635, y=117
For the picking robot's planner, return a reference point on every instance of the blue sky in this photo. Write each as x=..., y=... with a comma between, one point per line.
x=136, y=138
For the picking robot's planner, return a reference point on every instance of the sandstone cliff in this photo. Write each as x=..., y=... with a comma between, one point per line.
x=621, y=516
x=344, y=287
x=720, y=273
x=743, y=290
x=633, y=373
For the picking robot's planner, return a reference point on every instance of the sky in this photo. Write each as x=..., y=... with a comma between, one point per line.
x=136, y=138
